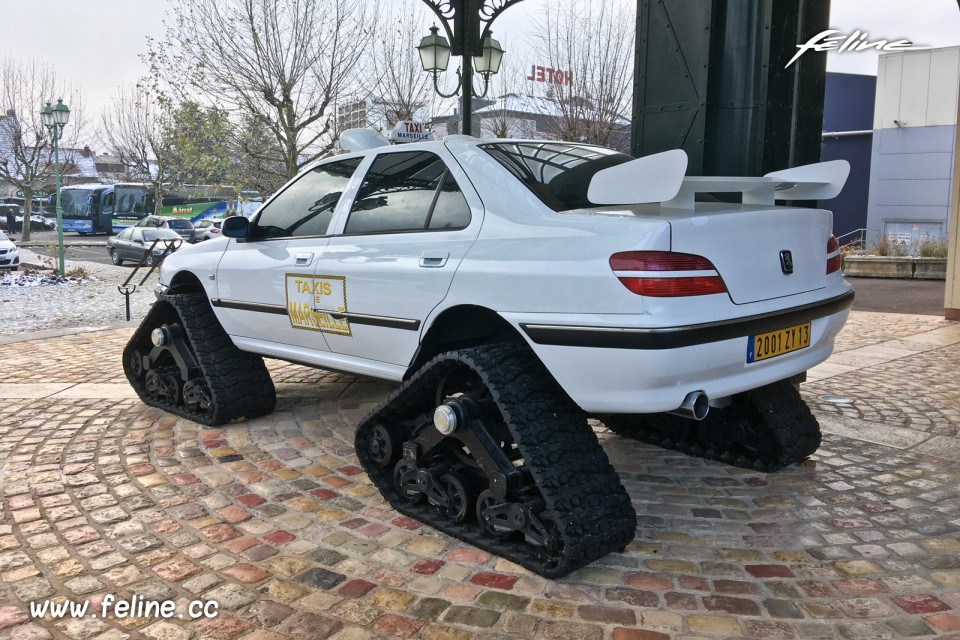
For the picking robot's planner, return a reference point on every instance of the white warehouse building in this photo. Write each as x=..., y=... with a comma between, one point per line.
x=914, y=138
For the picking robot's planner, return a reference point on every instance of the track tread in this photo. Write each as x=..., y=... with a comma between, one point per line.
x=779, y=413
x=579, y=485
x=239, y=383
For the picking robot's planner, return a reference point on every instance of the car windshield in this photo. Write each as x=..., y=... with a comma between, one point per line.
x=559, y=174
x=149, y=235
x=2, y=236
x=180, y=224
x=76, y=203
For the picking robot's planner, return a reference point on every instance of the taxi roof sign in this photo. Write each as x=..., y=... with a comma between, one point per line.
x=410, y=131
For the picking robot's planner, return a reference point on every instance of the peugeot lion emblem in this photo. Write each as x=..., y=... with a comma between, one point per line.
x=786, y=262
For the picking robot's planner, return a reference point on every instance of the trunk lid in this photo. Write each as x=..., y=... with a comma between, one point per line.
x=745, y=244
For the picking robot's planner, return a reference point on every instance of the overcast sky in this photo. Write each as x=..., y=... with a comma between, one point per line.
x=97, y=43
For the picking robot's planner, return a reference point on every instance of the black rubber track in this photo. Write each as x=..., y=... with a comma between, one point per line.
x=593, y=512
x=239, y=383
x=766, y=429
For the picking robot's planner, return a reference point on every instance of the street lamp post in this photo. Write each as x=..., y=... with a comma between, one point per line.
x=55, y=118
x=467, y=25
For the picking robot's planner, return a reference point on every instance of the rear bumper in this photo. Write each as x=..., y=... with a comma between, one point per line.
x=682, y=336
x=647, y=370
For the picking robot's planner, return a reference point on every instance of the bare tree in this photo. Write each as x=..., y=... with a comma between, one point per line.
x=593, y=42
x=26, y=150
x=283, y=62
x=134, y=128
x=504, y=118
x=400, y=84
x=257, y=160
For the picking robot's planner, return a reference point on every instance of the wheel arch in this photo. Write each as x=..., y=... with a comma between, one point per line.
x=459, y=327
x=186, y=282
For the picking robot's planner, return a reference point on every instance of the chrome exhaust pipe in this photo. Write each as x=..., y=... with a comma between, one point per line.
x=696, y=406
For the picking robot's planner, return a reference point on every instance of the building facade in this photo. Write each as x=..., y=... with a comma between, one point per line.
x=913, y=148
x=538, y=117
x=378, y=113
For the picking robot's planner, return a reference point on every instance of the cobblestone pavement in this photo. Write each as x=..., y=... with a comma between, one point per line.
x=274, y=521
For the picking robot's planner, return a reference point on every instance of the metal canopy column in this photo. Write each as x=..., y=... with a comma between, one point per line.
x=710, y=79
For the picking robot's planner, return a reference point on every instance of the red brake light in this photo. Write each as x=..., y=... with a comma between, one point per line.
x=214, y=230
x=667, y=286
x=833, y=255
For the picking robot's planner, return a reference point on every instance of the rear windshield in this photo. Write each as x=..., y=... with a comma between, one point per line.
x=150, y=235
x=180, y=224
x=558, y=173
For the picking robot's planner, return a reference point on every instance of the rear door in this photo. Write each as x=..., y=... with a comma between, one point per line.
x=285, y=243
x=395, y=252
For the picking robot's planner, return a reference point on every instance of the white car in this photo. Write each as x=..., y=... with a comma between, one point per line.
x=9, y=253
x=513, y=288
x=207, y=229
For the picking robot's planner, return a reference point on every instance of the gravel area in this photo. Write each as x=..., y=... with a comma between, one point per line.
x=91, y=302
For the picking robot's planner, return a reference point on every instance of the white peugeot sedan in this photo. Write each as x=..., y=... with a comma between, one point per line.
x=513, y=288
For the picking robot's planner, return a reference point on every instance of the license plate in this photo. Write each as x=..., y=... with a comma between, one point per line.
x=776, y=343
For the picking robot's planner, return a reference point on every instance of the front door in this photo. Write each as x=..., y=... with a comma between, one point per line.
x=279, y=256
x=395, y=251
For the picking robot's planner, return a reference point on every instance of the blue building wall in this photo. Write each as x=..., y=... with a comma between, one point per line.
x=849, y=101
x=849, y=106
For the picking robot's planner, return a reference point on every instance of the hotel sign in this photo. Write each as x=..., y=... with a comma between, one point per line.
x=550, y=75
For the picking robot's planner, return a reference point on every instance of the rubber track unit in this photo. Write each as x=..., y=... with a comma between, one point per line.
x=766, y=429
x=592, y=510
x=238, y=382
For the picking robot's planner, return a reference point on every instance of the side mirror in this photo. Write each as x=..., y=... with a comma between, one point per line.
x=236, y=227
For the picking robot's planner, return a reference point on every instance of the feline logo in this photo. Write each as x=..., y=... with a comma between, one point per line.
x=856, y=41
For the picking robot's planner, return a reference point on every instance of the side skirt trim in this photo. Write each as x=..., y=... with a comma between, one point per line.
x=358, y=318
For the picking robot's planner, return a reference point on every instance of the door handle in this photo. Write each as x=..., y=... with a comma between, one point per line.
x=434, y=259
x=304, y=259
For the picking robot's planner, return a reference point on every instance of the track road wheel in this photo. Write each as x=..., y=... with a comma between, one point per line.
x=196, y=396
x=181, y=360
x=384, y=446
x=459, y=495
x=402, y=473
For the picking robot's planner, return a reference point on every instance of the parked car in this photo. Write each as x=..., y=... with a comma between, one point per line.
x=512, y=289
x=9, y=253
x=133, y=243
x=38, y=222
x=181, y=225
x=207, y=229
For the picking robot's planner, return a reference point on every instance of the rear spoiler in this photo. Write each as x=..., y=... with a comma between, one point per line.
x=660, y=178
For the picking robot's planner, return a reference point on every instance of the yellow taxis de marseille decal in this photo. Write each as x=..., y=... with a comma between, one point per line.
x=310, y=298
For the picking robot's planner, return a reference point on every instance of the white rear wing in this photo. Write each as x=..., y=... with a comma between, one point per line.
x=660, y=178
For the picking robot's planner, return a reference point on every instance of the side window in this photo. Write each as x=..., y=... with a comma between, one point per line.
x=126, y=233
x=306, y=206
x=108, y=201
x=451, y=210
x=408, y=191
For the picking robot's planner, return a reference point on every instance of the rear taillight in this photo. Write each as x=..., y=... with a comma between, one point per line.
x=833, y=255
x=214, y=230
x=664, y=274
